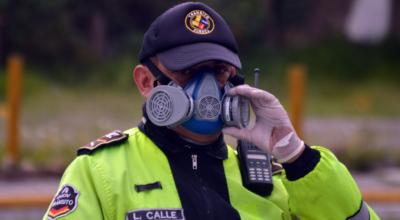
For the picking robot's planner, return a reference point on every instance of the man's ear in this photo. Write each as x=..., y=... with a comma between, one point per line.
x=144, y=79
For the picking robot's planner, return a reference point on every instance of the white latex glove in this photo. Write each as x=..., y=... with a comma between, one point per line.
x=273, y=132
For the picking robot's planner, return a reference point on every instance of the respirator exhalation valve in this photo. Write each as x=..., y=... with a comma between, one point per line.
x=209, y=107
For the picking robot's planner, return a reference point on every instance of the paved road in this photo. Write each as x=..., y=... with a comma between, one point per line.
x=388, y=179
x=382, y=133
x=23, y=188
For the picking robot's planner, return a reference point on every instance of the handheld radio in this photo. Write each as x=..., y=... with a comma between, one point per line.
x=255, y=165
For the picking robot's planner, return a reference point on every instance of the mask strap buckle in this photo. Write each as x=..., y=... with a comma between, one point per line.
x=157, y=73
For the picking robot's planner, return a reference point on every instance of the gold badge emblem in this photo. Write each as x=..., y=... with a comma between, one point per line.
x=199, y=22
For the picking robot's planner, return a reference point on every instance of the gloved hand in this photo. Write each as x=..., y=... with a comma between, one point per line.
x=273, y=132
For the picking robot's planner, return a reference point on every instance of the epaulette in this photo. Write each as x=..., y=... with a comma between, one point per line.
x=114, y=137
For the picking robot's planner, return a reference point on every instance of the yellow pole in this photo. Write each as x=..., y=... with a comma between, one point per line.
x=25, y=201
x=379, y=195
x=297, y=75
x=14, y=70
x=2, y=111
x=371, y=196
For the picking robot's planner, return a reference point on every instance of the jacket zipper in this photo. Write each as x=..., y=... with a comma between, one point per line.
x=195, y=165
x=194, y=161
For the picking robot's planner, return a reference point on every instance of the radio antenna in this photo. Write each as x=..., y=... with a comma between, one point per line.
x=256, y=77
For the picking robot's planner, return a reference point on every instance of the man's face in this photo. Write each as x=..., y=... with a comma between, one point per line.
x=144, y=81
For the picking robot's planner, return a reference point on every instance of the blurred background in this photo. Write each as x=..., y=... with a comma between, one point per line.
x=73, y=62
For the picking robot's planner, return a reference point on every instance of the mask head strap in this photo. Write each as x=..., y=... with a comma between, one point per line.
x=157, y=73
x=236, y=80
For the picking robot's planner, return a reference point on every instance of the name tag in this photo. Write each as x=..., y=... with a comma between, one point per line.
x=159, y=214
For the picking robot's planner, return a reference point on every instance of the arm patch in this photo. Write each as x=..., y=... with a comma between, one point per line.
x=114, y=137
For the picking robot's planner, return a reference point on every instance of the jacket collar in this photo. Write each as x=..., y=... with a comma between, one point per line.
x=169, y=140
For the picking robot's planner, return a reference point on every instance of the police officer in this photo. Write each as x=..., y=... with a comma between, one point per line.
x=175, y=164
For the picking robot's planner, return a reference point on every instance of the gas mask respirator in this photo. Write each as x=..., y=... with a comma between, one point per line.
x=201, y=106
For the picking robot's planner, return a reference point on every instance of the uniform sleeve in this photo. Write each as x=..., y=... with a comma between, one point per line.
x=80, y=194
x=320, y=187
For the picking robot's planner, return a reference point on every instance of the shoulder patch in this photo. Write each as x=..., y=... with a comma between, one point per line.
x=114, y=137
x=64, y=202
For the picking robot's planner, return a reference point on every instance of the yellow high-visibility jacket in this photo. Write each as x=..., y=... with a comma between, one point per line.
x=102, y=185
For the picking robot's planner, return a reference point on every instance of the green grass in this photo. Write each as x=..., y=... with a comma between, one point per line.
x=67, y=106
x=56, y=120
x=344, y=99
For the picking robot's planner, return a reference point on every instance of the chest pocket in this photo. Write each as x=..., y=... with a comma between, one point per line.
x=152, y=194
